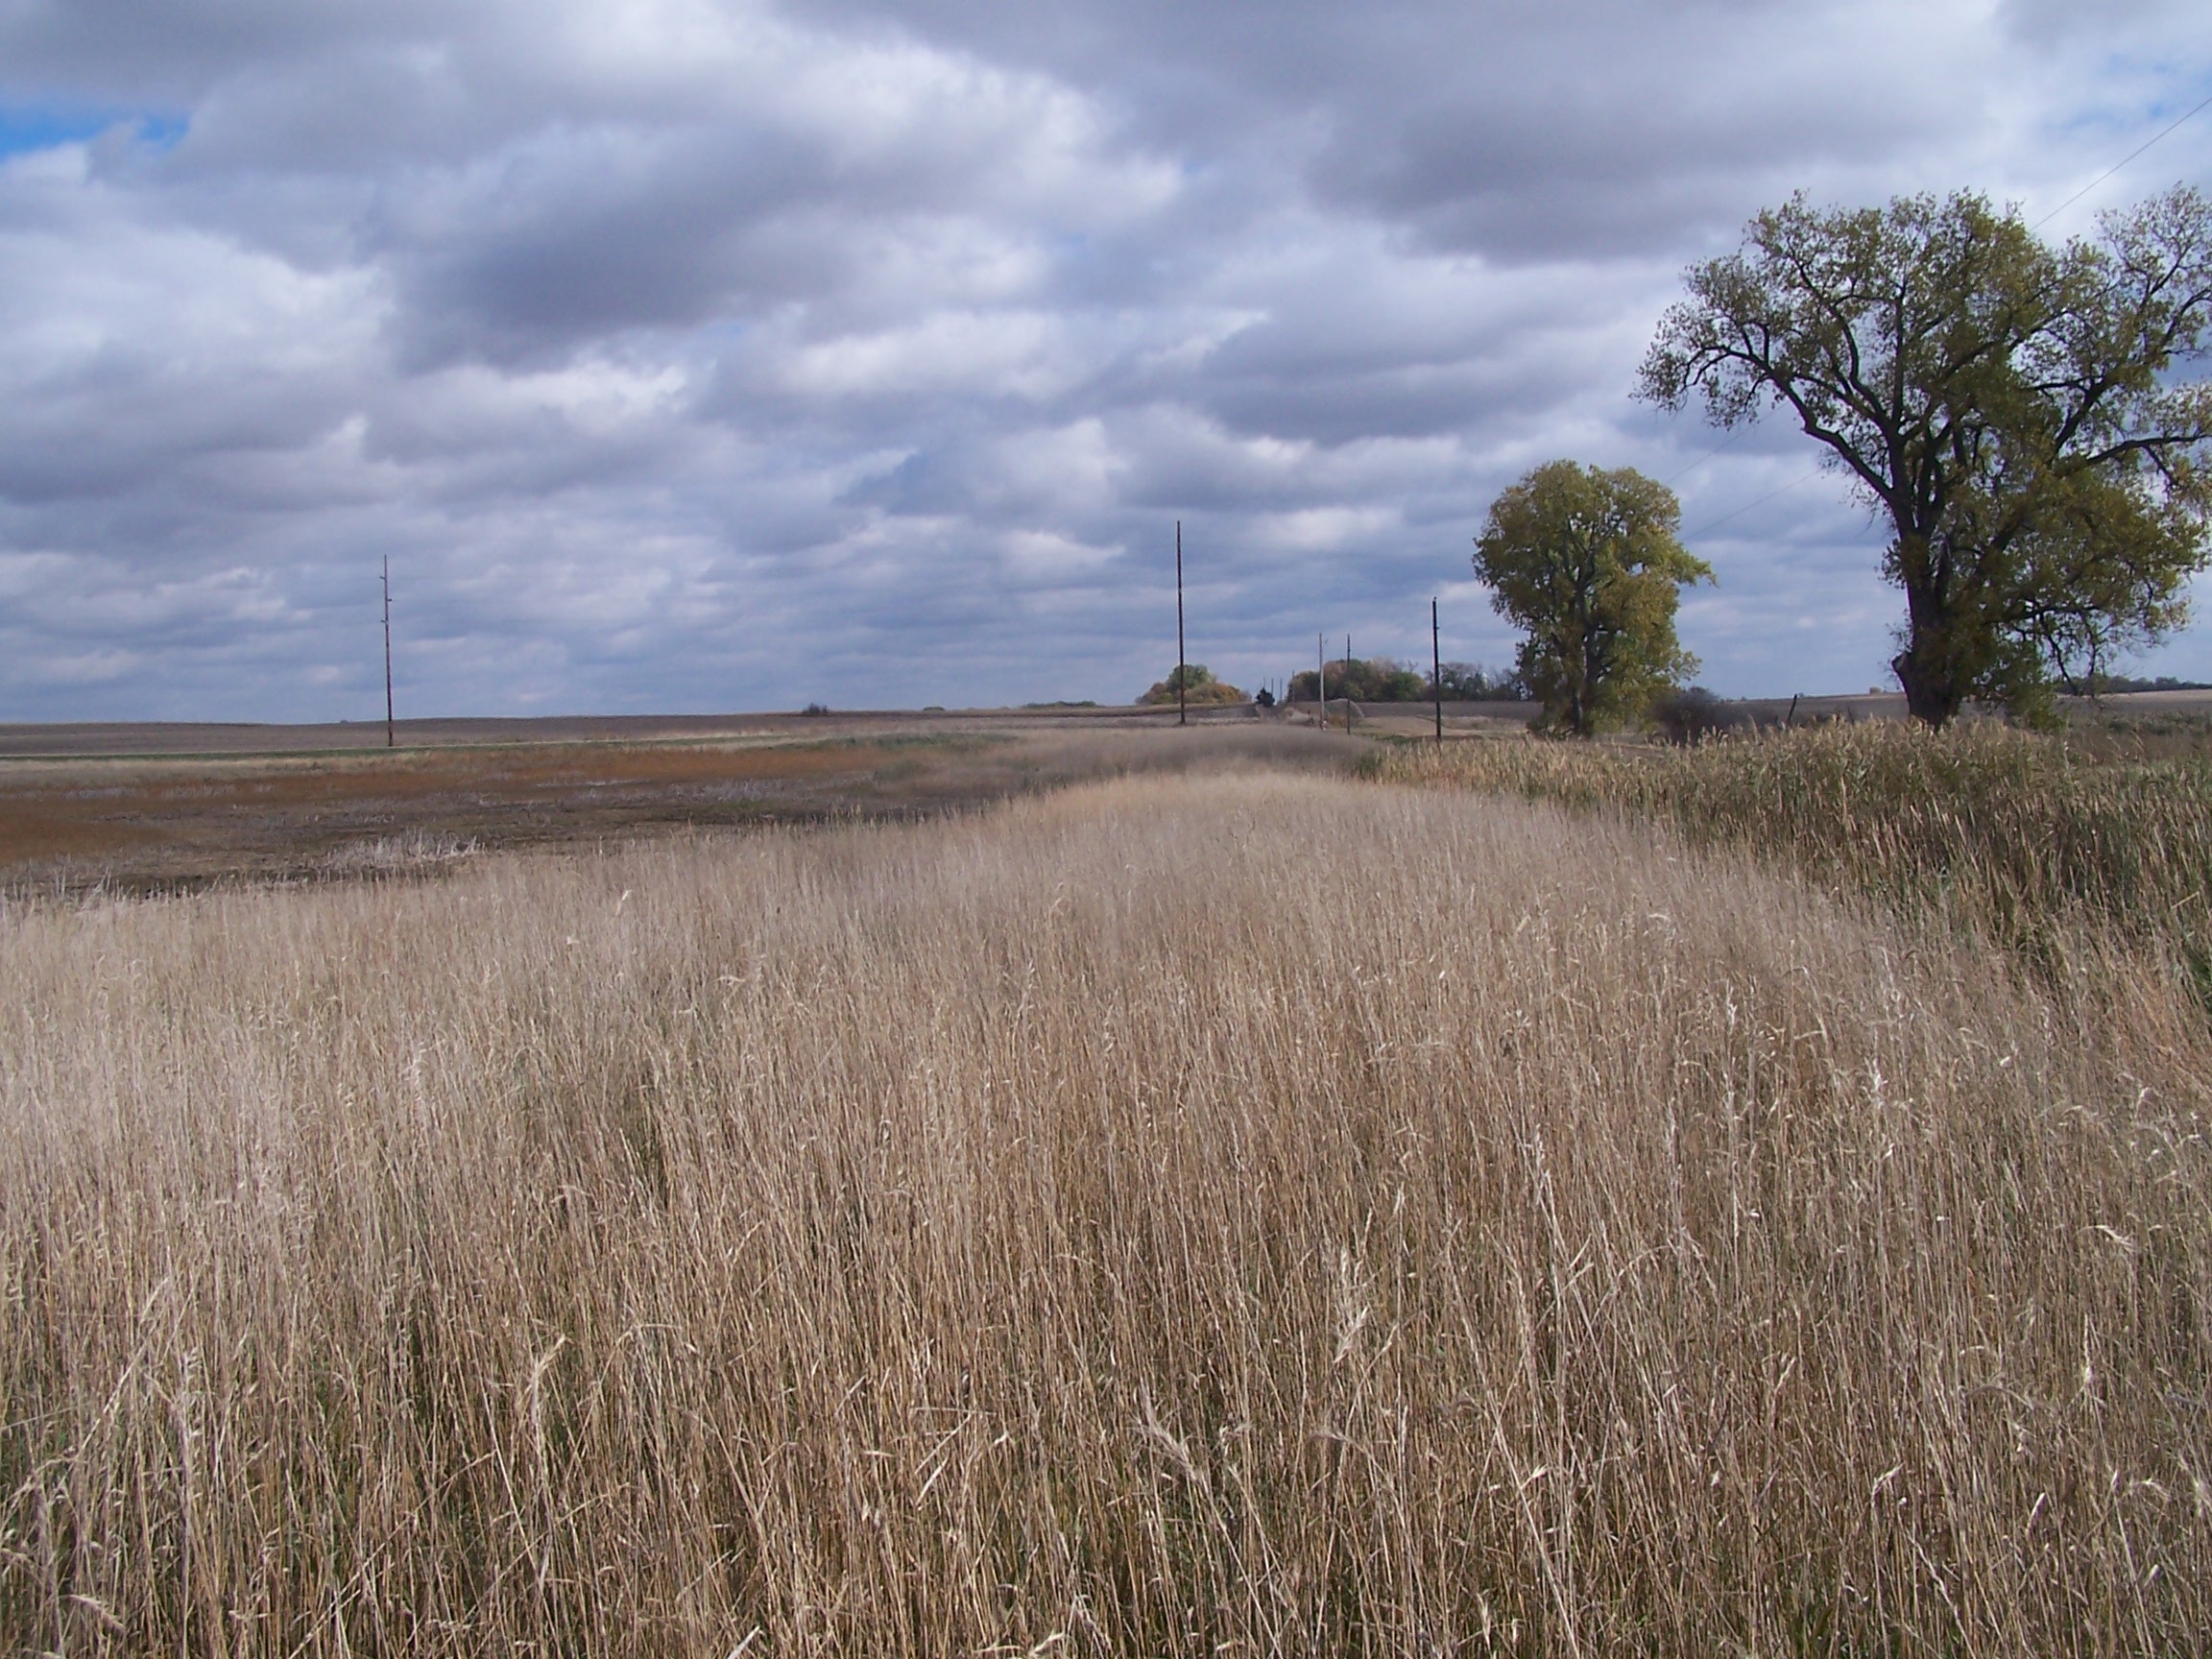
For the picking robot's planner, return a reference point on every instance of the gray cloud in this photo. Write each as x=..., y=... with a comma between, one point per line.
x=693, y=355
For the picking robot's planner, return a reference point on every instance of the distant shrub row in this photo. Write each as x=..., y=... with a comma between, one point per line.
x=1386, y=680
x=2113, y=685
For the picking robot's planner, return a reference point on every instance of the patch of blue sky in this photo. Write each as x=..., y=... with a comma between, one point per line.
x=2139, y=96
x=2178, y=112
x=25, y=128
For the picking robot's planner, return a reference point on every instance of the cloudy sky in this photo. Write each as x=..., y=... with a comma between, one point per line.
x=710, y=354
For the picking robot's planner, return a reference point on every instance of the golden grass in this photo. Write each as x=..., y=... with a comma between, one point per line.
x=1176, y=1215
x=2016, y=838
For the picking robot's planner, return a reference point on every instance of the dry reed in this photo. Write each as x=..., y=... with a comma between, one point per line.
x=2009, y=835
x=1110, y=1225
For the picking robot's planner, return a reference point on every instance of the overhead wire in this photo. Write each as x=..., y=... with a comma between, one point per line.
x=2117, y=165
x=1707, y=456
x=1712, y=524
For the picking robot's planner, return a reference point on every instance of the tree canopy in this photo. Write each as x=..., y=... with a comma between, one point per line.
x=2007, y=406
x=1198, y=686
x=1587, y=561
x=1363, y=680
x=1471, y=683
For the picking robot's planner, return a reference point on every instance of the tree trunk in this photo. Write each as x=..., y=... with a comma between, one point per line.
x=1935, y=682
x=1930, y=693
x=1927, y=668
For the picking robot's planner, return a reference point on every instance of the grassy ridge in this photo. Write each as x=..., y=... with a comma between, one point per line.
x=1101, y=1227
x=2010, y=834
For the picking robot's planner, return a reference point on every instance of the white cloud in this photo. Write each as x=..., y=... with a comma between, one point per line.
x=668, y=344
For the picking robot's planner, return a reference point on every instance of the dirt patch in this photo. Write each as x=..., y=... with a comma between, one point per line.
x=165, y=821
x=142, y=820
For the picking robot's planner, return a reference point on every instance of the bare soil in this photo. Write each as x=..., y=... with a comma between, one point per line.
x=152, y=807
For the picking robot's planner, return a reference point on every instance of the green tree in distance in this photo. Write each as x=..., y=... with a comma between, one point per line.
x=1588, y=562
x=2006, y=406
x=1198, y=686
x=1364, y=679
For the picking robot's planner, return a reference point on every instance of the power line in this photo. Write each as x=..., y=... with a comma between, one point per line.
x=2116, y=166
x=1761, y=501
x=1707, y=456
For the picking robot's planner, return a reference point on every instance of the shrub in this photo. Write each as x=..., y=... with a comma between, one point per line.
x=1693, y=715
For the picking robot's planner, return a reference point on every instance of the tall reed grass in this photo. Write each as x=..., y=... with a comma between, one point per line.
x=2007, y=834
x=1179, y=1215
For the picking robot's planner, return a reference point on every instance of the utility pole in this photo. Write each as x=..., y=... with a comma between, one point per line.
x=1320, y=685
x=1347, y=682
x=1182, y=674
x=1436, y=669
x=387, y=735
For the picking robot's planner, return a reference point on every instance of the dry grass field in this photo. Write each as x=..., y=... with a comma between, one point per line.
x=2067, y=853
x=1229, y=1213
x=151, y=808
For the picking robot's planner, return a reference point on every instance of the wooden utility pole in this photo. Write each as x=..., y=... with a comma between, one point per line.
x=1320, y=684
x=389, y=739
x=1347, y=682
x=1182, y=674
x=1436, y=669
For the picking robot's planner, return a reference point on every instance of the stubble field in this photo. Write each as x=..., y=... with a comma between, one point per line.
x=1224, y=1212
x=166, y=809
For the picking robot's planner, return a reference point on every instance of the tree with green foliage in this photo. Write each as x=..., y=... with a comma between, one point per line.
x=1364, y=679
x=1588, y=562
x=2006, y=406
x=1471, y=683
x=1198, y=686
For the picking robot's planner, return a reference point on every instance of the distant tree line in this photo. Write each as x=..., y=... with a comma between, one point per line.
x=2113, y=685
x=1386, y=680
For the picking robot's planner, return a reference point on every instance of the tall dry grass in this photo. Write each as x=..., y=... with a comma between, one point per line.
x=2014, y=836
x=1174, y=1217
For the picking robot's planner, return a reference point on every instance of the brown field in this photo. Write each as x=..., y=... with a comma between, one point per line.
x=2144, y=726
x=1229, y=1213
x=150, y=808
